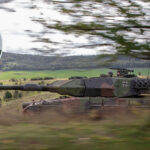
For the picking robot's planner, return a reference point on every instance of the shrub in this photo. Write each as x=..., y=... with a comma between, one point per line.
x=7, y=95
x=0, y=102
x=20, y=95
x=48, y=78
x=16, y=94
x=33, y=79
x=41, y=83
x=13, y=80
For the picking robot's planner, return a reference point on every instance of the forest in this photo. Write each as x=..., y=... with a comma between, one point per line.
x=14, y=62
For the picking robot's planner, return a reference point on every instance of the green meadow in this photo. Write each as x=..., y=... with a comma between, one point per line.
x=55, y=131
x=74, y=136
x=61, y=73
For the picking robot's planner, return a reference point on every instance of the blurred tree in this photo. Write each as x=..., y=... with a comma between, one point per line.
x=110, y=27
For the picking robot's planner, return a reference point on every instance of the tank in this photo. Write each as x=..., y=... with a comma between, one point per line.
x=118, y=86
x=88, y=92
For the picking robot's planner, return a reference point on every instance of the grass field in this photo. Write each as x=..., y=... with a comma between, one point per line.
x=60, y=73
x=73, y=136
x=129, y=131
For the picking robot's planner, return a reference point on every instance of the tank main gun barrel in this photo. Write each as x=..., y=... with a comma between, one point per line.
x=75, y=90
x=26, y=87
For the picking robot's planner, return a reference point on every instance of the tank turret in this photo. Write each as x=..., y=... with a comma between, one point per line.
x=91, y=87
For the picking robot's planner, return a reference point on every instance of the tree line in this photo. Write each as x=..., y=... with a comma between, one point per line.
x=35, y=62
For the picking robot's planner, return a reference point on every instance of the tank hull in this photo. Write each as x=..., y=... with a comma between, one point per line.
x=81, y=105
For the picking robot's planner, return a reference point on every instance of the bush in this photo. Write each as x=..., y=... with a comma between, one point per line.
x=20, y=95
x=0, y=102
x=16, y=94
x=34, y=79
x=13, y=80
x=7, y=95
x=48, y=78
x=45, y=78
x=41, y=83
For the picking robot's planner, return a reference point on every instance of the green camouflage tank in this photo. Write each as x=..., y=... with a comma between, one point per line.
x=91, y=87
x=122, y=85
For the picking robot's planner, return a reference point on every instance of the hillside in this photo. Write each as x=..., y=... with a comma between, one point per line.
x=12, y=61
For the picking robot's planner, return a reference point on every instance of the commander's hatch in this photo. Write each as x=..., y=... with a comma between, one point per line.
x=124, y=72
